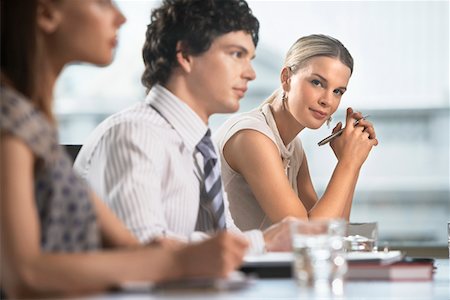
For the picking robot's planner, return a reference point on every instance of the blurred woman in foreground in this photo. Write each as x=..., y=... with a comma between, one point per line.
x=53, y=228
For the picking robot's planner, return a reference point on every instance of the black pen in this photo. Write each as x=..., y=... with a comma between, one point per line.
x=336, y=134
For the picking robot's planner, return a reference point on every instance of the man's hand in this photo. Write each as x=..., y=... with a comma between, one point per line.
x=278, y=236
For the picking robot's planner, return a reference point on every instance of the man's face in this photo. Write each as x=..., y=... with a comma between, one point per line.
x=219, y=77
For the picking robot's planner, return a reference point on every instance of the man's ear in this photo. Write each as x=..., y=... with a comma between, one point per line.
x=285, y=78
x=183, y=59
x=49, y=16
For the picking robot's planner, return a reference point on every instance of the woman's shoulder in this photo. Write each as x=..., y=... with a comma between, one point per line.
x=19, y=117
x=16, y=108
x=253, y=120
x=10, y=96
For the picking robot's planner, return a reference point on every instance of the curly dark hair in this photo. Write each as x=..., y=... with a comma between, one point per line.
x=195, y=23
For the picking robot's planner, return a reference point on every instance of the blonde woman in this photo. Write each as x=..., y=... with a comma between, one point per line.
x=57, y=237
x=264, y=167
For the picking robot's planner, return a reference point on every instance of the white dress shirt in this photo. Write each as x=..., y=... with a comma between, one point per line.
x=144, y=164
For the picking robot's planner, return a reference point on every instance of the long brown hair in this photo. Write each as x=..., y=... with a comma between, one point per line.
x=20, y=52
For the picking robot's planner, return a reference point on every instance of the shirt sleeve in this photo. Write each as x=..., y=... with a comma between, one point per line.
x=126, y=161
x=255, y=237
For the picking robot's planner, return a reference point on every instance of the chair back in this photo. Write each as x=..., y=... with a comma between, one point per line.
x=72, y=150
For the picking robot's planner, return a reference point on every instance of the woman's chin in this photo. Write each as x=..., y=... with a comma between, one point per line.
x=315, y=125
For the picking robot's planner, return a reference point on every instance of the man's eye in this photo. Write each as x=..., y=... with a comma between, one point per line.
x=237, y=54
x=105, y=2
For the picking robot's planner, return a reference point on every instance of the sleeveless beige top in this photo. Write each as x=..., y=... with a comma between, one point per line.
x=245, y=209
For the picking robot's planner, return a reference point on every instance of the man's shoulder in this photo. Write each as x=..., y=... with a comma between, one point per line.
x=137, y=121
x=139, y=125
x=133, y=119
x=139, y=114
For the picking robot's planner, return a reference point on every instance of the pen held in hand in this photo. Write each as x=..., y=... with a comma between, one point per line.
x=338, y=133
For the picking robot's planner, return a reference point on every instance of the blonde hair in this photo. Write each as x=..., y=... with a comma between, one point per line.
x=308, y=47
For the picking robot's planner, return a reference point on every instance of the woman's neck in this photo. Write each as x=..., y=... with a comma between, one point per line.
x=4, y=80
x=287, y=125
x=48, y=69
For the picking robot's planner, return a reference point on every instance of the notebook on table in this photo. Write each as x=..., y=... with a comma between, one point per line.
x=407, y=269
x=279, y=264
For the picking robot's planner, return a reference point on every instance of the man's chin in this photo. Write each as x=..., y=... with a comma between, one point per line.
x=226, y=108
x=229, y=109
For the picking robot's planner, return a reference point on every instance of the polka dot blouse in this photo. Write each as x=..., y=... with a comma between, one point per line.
x=66, y=214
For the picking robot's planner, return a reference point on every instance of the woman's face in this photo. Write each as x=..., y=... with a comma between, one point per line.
x=314, y=91
x=87, y=31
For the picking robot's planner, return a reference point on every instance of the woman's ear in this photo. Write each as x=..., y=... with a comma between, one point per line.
x=48, y=16
x=286, y=78
x=183, y=59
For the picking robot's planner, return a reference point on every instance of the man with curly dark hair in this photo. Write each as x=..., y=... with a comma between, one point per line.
x=190, y=27
x=155, y=163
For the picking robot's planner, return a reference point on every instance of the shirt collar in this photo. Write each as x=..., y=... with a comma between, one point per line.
x=178, y=114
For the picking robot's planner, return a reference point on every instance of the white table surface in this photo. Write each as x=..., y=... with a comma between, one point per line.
x=438, y=288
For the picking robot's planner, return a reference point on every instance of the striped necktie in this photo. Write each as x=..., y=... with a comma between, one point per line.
x=211, y=215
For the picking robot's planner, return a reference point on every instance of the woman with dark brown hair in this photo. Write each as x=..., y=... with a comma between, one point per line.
x=53, y=228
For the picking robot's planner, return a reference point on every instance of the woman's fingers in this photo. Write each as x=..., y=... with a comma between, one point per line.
x=357, y=115
x=367, y=133
x=364, y=123
x=349, y=119
x=368, y=127
x=337, y=127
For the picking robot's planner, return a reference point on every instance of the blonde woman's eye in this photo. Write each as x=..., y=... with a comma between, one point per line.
x=316, y=82
x=338, y=92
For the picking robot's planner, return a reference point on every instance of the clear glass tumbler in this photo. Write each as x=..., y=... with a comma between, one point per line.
x=319, y=255
x=448, y=234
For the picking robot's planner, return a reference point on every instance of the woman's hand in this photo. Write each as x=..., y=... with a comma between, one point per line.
x=215, y=257
x=355, y=143
x=368, y=126
x=167, y=243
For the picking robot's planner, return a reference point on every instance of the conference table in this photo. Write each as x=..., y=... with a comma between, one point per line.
x=286, y=288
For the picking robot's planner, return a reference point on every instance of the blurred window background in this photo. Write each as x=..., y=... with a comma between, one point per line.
x=401, y=79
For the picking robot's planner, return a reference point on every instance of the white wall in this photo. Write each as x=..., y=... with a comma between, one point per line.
x=401, y=77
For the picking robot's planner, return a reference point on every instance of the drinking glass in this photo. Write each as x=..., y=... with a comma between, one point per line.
x=362, y=237
x=319, y=255
x=448, y=233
